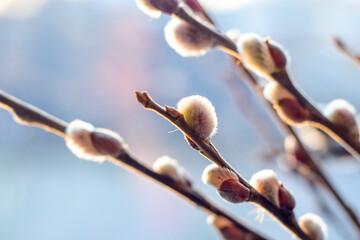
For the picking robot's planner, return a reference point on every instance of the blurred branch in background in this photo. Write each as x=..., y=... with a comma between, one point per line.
x=247, y=107
x=346, y=50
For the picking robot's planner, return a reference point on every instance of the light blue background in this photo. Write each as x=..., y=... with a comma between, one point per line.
x=85, y=59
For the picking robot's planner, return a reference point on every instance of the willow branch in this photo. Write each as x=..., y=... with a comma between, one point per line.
x=27, y=114
x=343, y=48
x=208, y=150
x=318, y=119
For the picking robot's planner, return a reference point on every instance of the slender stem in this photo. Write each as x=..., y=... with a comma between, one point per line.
x=342, y=47
x=24, y=114
x=27, y=114
x=207, y=149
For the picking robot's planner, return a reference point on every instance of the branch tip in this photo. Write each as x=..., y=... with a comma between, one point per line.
x=142, y=97
x=338, y=42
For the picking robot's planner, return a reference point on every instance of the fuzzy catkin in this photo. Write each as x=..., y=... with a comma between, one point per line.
x=90, y=143
x=313, y=226
x=342, y=113
x=78, y=140
x=255, y=54
x=199, y=114
x=187, y=40
x=214, y=175
x=169, y=167
x=263, y=56
x=267, y=184
x=273, y=92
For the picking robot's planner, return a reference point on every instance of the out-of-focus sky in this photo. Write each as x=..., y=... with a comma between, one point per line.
x=85, y=58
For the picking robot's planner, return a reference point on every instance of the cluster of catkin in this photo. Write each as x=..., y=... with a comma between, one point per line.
x=267, y=59
x=264, y=57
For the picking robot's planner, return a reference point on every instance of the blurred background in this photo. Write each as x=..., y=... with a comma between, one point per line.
x=85, y=58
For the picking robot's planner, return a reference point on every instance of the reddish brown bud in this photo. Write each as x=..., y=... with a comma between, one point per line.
x=233, y=191
x=291, y=111
x=165, y=6
x=277, y=54
x=106, y=144
x=286, y=200
x=232, y=233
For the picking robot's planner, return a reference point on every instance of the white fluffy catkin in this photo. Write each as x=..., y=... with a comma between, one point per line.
x=169, y=167
x=313, y=226
x=214, y=175
x=256, y=54
x=342, y=113
x=78, y=140
x=274, y=92
x=186, y=40
x=339, y=104
x=266, y=183
x=199, y=114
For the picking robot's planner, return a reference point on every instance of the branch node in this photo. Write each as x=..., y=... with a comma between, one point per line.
x=173, y=112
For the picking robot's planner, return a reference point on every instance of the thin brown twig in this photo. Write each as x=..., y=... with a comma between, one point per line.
x=28, y=114
x=208, y=150
x=343, y=48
